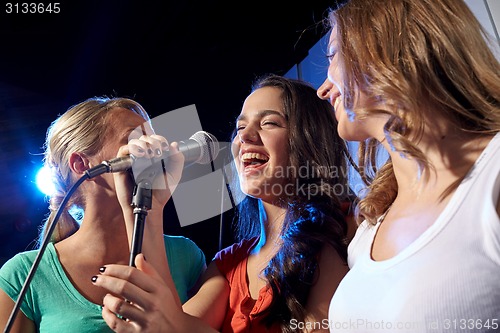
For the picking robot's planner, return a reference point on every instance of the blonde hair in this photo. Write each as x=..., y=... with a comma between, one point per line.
x=80, y=129
x=417, y=57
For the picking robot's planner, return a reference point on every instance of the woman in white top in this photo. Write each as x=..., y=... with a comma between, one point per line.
x=417, y=78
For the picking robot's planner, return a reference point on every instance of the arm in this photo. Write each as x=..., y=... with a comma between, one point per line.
x=211, y=301
x=194, y=289
x=21, y=324
x=332, y=270
x=153, y=243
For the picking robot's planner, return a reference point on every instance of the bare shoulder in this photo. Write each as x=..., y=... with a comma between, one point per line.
x=332, y=269
x=212, y=272
x=331, y=265
x=498, y=205
x=210, y=302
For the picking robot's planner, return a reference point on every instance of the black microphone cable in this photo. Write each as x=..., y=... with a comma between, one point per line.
x=225, y=185
x=114, y=165
x=43, y=246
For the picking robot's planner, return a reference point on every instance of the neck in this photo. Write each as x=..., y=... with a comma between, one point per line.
x=450, y=154
x=271, y=222
x=102, y=232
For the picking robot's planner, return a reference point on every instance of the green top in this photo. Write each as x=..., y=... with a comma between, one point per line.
x=55, y=305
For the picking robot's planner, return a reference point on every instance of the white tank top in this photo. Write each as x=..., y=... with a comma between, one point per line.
x=447, y=280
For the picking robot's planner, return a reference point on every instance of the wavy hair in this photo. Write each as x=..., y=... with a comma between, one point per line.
x=419, y=58
x=80, y=129
x=314, y=217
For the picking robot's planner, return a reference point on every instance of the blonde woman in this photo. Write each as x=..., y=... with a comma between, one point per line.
x=61, y=297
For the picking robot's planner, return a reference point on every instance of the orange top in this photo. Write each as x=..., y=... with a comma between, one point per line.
x=243, y=313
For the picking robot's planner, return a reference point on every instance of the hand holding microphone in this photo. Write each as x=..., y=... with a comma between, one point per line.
x=201, y=148
x=149, y=156
x=153, y=161
x=154, y=164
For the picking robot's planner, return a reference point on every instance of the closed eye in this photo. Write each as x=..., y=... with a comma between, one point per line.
x=330, y=56
x=270, y=123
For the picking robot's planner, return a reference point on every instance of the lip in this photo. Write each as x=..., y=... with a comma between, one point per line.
x=338, y=100
x=252, y=150
x=252, y=168
x=334, y=98
x=335, y=101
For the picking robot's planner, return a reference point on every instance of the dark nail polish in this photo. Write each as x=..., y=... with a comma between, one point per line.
x=94, y=279
x=102, y=269
x=150, y=151
x=164, y=144
x=158, y=152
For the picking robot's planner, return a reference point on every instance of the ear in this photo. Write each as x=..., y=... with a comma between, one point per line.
x=78, y=163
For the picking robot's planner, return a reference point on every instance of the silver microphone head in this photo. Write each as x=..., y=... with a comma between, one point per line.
x=209, y=146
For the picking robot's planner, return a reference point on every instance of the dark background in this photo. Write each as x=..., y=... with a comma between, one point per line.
x=164, y=54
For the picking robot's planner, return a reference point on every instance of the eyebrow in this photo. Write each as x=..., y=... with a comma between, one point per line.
x=262, y=114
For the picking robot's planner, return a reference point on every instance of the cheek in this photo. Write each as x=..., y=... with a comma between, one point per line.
x=235, y=151
x=281, y=168
x=346, y=126
x=344, y=115
x=283, y=151
x=352, y=130
x=334, y=73
x=350, y=114
x=235, y=147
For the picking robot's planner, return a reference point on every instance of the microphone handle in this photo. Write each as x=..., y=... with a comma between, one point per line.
x=191, y=151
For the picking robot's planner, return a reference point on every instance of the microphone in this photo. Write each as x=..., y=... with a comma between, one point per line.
x=202, y=148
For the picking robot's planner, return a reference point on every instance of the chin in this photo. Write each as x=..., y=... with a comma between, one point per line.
x=252, y=192
x=351, y=133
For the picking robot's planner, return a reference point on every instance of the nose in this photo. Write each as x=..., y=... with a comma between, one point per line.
x=324, y=90
x=247, y=135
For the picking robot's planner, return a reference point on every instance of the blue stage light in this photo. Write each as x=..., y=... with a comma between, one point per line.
x=44, y=181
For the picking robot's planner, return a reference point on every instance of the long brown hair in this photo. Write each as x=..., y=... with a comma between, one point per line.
x=314, y=217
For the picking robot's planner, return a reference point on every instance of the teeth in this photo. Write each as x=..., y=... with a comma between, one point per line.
x=253, y=156
x=337, y=102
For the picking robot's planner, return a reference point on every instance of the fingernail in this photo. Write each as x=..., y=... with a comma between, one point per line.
x=158, y=152
x=102, y=269
x=150, y=151
x=165, y=146
x=94, y=279
x=139, y=149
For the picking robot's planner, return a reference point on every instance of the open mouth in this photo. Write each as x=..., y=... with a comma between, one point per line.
x=254, y=160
